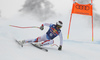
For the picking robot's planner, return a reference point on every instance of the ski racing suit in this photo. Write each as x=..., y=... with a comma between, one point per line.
x=48, y=37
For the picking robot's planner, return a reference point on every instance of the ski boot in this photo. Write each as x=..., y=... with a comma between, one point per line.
x=22, y=42
x=39, y=44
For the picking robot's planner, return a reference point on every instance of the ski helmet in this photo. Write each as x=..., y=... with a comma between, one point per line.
x=59, y=23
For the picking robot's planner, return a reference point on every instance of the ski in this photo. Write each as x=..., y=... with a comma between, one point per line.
x=19, y=43
x=39, y=47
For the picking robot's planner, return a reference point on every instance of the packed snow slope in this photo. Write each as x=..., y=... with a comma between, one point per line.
x=79, y=46
x=77, y=49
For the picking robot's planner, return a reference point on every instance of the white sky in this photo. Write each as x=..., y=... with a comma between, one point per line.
x=10, y=7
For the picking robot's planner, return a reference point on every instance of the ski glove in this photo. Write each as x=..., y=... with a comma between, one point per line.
x=60, y=48
x=42, y=27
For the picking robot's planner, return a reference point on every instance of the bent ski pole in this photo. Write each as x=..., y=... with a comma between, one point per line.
x=54, y=45
x=24, y=27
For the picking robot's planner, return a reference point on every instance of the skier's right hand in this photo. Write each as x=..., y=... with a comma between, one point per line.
x=42, y=27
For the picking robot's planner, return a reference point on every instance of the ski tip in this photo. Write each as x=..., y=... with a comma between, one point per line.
x=19, y=43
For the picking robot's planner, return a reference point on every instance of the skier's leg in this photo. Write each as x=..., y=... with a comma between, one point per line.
x=38, y=39
x=32, y=40
x=47, y=42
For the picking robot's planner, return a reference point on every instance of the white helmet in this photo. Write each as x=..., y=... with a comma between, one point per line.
x=59, y=23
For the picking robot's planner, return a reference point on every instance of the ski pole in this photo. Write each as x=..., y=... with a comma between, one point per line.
x=54, y=45
x=24, y=27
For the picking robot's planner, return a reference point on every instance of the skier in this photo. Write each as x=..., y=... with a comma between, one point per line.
x=48, y=37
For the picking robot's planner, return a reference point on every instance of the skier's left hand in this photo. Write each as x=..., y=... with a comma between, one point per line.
x=42, y=27
x=60, y=48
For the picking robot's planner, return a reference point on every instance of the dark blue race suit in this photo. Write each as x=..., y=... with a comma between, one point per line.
x=52, y=32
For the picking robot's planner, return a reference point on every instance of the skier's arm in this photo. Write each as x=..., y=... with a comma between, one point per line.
x=61, y=41
x=45, y=24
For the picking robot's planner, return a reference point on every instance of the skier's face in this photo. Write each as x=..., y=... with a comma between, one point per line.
x=58, y=27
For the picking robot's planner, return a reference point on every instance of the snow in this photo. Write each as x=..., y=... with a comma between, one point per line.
x=79, y=46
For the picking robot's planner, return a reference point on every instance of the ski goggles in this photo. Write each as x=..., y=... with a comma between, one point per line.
x=59, y=26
